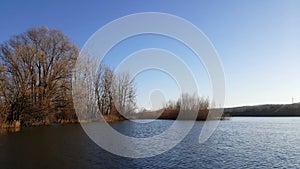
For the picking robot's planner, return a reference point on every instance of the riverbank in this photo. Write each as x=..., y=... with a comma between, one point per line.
x=14, y=126
x=17, y=125
x=167, y=114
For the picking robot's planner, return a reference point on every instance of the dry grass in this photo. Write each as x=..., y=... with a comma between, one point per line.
x=172, y=114
x=113, y=118
x=14, y=126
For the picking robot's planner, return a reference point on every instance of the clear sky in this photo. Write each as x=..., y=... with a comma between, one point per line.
x=258, y=41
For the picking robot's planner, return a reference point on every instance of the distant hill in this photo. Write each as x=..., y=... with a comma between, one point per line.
x=265, y=110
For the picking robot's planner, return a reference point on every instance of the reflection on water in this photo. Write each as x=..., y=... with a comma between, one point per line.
x=237, y=143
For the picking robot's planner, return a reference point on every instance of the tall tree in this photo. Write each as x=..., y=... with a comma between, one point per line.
x=124, y=93
x=37, y=67
x=115, y=92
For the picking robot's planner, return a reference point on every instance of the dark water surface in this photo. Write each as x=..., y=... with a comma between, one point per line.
x=245, y=142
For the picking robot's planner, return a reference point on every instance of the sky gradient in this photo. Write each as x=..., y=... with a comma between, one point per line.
x=257, y=41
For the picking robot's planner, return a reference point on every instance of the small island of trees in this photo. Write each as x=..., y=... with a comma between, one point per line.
x=36, y=73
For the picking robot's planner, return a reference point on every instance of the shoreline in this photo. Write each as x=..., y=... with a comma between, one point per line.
x=16, y=126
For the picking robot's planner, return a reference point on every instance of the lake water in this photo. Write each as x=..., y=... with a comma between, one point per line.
x=245, y=142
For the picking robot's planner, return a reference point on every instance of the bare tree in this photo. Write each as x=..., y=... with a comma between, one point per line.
x=115, y=92
x=188, y=102
x=104, y=82
x=124, y=93
x=38, y=66
x=86, y=86
x=36, y=70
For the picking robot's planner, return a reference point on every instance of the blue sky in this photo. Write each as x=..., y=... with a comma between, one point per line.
x=257, y=41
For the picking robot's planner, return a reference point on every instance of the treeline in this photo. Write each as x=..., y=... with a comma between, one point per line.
x=99, y=92
x=192, y=107
x=187, y=107
x=36, y=69
x=188, y=102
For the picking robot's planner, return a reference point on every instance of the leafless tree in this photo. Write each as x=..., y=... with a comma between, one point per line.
x=86, y=84
x=188, y=102
x=124, y=93
x=104, y=90
x=36, y=70
x=101, y=91
x=115, y=92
